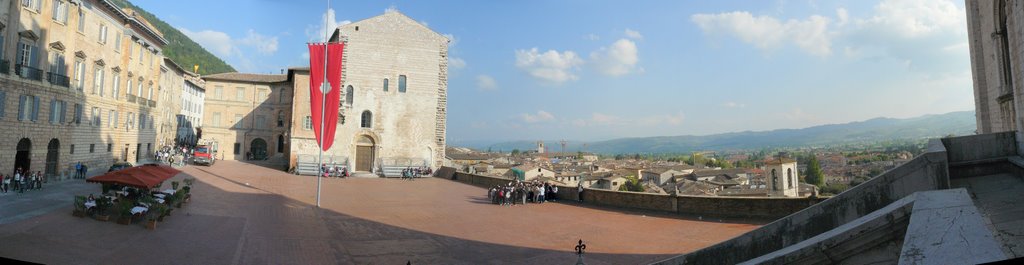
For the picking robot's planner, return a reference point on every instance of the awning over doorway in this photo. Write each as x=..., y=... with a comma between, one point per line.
x=144, y=176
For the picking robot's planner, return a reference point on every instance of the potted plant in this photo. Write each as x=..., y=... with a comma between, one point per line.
x=189, y=182
x=188, y=193
x=124, y=210
x=153, y=215
x=174, y=185
x=79, y=206
x=179, y=196
x=103, y=205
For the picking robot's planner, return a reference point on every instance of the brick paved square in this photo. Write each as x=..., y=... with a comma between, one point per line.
x=247, y=214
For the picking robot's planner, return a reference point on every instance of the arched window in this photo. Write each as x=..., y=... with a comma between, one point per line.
x=348, y=94
x=367, y=119
x=789, y=174
x=775, y=180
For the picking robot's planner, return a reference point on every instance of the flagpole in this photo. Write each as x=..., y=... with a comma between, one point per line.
x=323, y=104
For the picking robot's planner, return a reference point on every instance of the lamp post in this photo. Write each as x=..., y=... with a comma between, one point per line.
x=580, y=247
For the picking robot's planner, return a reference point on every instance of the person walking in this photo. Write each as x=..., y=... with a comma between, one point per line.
x=78, y=170
x=554, y=193
x=4, y=182
x=85, y=171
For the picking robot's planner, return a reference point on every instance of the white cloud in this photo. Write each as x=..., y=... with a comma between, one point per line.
x=731, y=104
x=598, y=119
x=618, y=59
x=592, y=37
x=659, y=120
x=768, y=33
x=843, y=16
x=316, y=33
x=217, y=42
x=632, y=34
x=224, y=46
x=485, y=82
x=541, y=116
x=391, y=8
x=916, y=18
x=456, y=63
x=551, y=66
x=264, y=45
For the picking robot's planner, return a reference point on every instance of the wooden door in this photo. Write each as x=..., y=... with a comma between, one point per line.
x=364, y=158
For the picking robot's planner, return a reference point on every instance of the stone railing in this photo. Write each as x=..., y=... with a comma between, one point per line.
x=928, y=171
x=130, y=98
x=761, y=208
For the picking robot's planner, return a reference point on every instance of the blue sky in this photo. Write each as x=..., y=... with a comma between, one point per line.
x=594, y=70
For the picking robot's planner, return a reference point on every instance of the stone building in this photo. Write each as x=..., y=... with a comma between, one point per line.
x=247, y=116
x=997, y=45
x=782, y=177
x=76, y=84
x=185, y=110
x=394, y=103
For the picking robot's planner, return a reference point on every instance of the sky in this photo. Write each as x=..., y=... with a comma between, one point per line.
x=597, y=70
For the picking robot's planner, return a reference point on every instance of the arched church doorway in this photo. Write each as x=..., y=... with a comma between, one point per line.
x=364, y=153
x=258, y=149
x=52, y=154
x=23, y=157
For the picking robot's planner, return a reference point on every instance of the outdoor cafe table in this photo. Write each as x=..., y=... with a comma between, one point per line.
x=90, y=204
x=139, y=209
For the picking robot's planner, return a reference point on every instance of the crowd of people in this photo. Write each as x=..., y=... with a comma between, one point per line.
x=411, y=173
x=174, y=155
x=21, y=181
x=334, y=171
x=520, y=193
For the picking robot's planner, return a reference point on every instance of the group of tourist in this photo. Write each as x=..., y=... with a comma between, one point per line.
x=21, y=181
x=81, y=170
x=411, y=173
x=176, y=155
x=518, y=192
x=334, y=171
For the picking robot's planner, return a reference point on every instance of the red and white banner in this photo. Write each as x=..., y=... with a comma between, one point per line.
x=318, y=89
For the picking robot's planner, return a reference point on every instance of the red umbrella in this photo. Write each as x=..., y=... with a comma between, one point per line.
x=145, y=176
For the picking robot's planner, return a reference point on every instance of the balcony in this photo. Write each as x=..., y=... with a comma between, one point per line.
x=152, y=103
x=58, y=79
x=28, y=72
x=142, y=102
x=130, y=97
x=5, y=67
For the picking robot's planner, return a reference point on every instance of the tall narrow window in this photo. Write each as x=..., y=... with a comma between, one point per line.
x=117, y=42
x=385, y=85
x=128, y=87
x=80, y=75
x=401, y=84
x=60, y=11
x=280, y=117
x=116, y=92
x=218, y=92
x=81, y=20
x=238, y=121
x=367, y=121
x=103, y=34
x=775, y=180
x=349, y=91
x=307, y=123
x=216, y=119
x=97, y=80
x=3, y=102
x=77, y=119
x=240, y=94
x=111, y=119
x=789, y=175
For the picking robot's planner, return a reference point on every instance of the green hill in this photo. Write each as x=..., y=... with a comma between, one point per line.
x=180, y=48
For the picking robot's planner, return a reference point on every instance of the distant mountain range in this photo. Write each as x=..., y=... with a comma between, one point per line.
x=869, y=131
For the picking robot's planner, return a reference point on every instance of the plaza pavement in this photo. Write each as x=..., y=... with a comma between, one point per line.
x=249, y=214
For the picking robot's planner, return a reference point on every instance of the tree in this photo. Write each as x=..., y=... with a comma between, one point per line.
x=814, y=174
x=632, y=184
x=620, y=157
x=515, y=152
x=636, y=157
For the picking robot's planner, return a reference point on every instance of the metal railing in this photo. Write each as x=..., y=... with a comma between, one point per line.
x=5, y=67
x=58, y=79
x=28, y=72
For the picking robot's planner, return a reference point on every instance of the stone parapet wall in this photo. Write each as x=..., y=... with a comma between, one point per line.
x=705, y=206
x=928, y=171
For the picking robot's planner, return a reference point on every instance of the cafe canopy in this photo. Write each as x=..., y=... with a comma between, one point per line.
x=144, y=176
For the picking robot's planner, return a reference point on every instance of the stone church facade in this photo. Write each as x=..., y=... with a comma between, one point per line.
x=996, y=38
x=393, y=106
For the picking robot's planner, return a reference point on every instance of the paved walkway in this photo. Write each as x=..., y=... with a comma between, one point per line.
x=247, y=214
x=998, y=197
